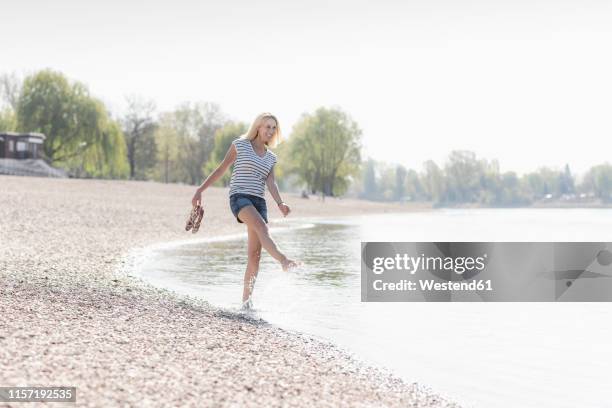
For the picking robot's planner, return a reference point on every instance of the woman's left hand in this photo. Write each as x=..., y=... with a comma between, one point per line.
x=284, y=208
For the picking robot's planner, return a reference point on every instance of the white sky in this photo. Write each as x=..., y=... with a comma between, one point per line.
x=527, y=82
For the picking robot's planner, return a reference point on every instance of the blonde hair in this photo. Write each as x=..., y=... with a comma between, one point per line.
x=252, y=133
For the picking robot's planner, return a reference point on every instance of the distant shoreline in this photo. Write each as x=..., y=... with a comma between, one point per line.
x=553, y=204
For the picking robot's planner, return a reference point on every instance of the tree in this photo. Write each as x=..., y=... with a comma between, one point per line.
x=511, y=193
x=79, y=131
x=370, y=187
x=167, y=141
x=138, y=128
x=598, y=180
x=194, y=127
x=413, y=186
x=107, y=158
x=567, y=182
x=463, y=177
x=433, y=181
x=325, y=148
x=491, y=183
x=534, y=185
x=386, y=181
x=197, y=125
x=545, y=181
x=49, y=104
x=223, y=140
x=10, y=88
x=400, y=182
x=8, y=121
x=286, y=180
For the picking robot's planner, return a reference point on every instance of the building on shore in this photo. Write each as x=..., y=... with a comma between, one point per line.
x=21, y=155
x=21, y=145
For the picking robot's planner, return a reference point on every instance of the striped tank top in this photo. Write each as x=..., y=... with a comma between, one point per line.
x=250, y=169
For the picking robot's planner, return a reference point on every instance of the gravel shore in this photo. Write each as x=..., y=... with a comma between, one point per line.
x=71, y=317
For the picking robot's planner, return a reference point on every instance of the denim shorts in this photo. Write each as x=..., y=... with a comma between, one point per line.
x=240, y=200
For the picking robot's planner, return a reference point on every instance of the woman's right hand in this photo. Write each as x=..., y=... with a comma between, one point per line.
x=197, y=198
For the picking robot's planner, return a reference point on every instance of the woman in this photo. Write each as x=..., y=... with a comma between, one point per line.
x=254, y=167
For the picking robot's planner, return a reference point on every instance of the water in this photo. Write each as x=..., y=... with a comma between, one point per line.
x=479, y=354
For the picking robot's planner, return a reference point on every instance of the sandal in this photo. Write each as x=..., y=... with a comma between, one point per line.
x=195, y=218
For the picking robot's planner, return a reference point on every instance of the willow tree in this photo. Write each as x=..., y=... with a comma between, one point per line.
x=106, y=156
x=8, y=121
x=325, y=151
x=79, y=131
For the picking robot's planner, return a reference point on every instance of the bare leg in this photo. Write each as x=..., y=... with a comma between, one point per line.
x=253, y=220
x=254, y=252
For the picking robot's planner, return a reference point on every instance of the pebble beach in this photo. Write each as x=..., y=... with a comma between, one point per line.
x=73, y=315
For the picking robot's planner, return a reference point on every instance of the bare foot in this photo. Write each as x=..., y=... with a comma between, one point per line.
x=247, y=304
x=289, y=264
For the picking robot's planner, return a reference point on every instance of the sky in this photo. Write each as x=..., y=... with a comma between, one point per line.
x=526, y=82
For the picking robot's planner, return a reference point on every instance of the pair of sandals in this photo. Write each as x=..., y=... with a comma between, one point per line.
x=195, y=218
